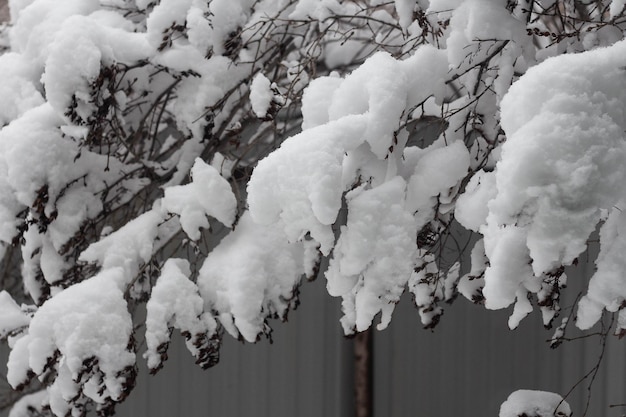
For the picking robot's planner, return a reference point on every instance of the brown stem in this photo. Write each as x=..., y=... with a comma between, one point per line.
x=363, y=375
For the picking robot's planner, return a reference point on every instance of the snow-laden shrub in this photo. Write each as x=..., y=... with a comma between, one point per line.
x=203, y=157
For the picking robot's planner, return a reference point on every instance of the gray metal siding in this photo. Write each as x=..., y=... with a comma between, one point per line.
x=306, y=372
x=466, y=367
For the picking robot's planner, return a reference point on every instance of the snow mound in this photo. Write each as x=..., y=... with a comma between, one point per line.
x=531, y=403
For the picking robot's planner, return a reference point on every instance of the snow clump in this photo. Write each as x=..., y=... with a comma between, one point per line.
x=562, y=166
x=252, y=275
x=531, y=403
x=208, y=194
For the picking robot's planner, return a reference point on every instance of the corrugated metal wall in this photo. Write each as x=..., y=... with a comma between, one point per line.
x=306, y=372
x=466, y=367
x=470, y=364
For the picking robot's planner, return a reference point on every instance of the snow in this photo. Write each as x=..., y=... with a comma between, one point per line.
x=175, y=303
x=198, y=27
x=89, y=319
x=12, y=317
x=429, y=181
x=217, y=76
x=607, y=286
x=69, y=70
x=424, y=284
x=297, y=75
x=301, y=182
x=165, y=15
x=476, y=20
x=373, y=258
x=616, y=7
x=51, y=263
x=81, y=48
x=372, y=90
x=534, y=404
x=209, y=194
x=508, y=269
x=245, y=293
x=427, y=70
x=353, y=139
x=21, y=94
x=471, y=208
x=300, y=186
x=38, y=24
x=34, y=159
x=535, y=168
x=32, y=155
x=316, y=99
x=260, y=95
x=23, y=407
x=228, y=17
x=561, y=166
x=471, y=284
x=315, y=9
x=223, y=165
x=404, y=9
x=126, y=248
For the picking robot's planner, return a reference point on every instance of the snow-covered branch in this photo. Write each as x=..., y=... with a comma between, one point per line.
x=203, y=157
